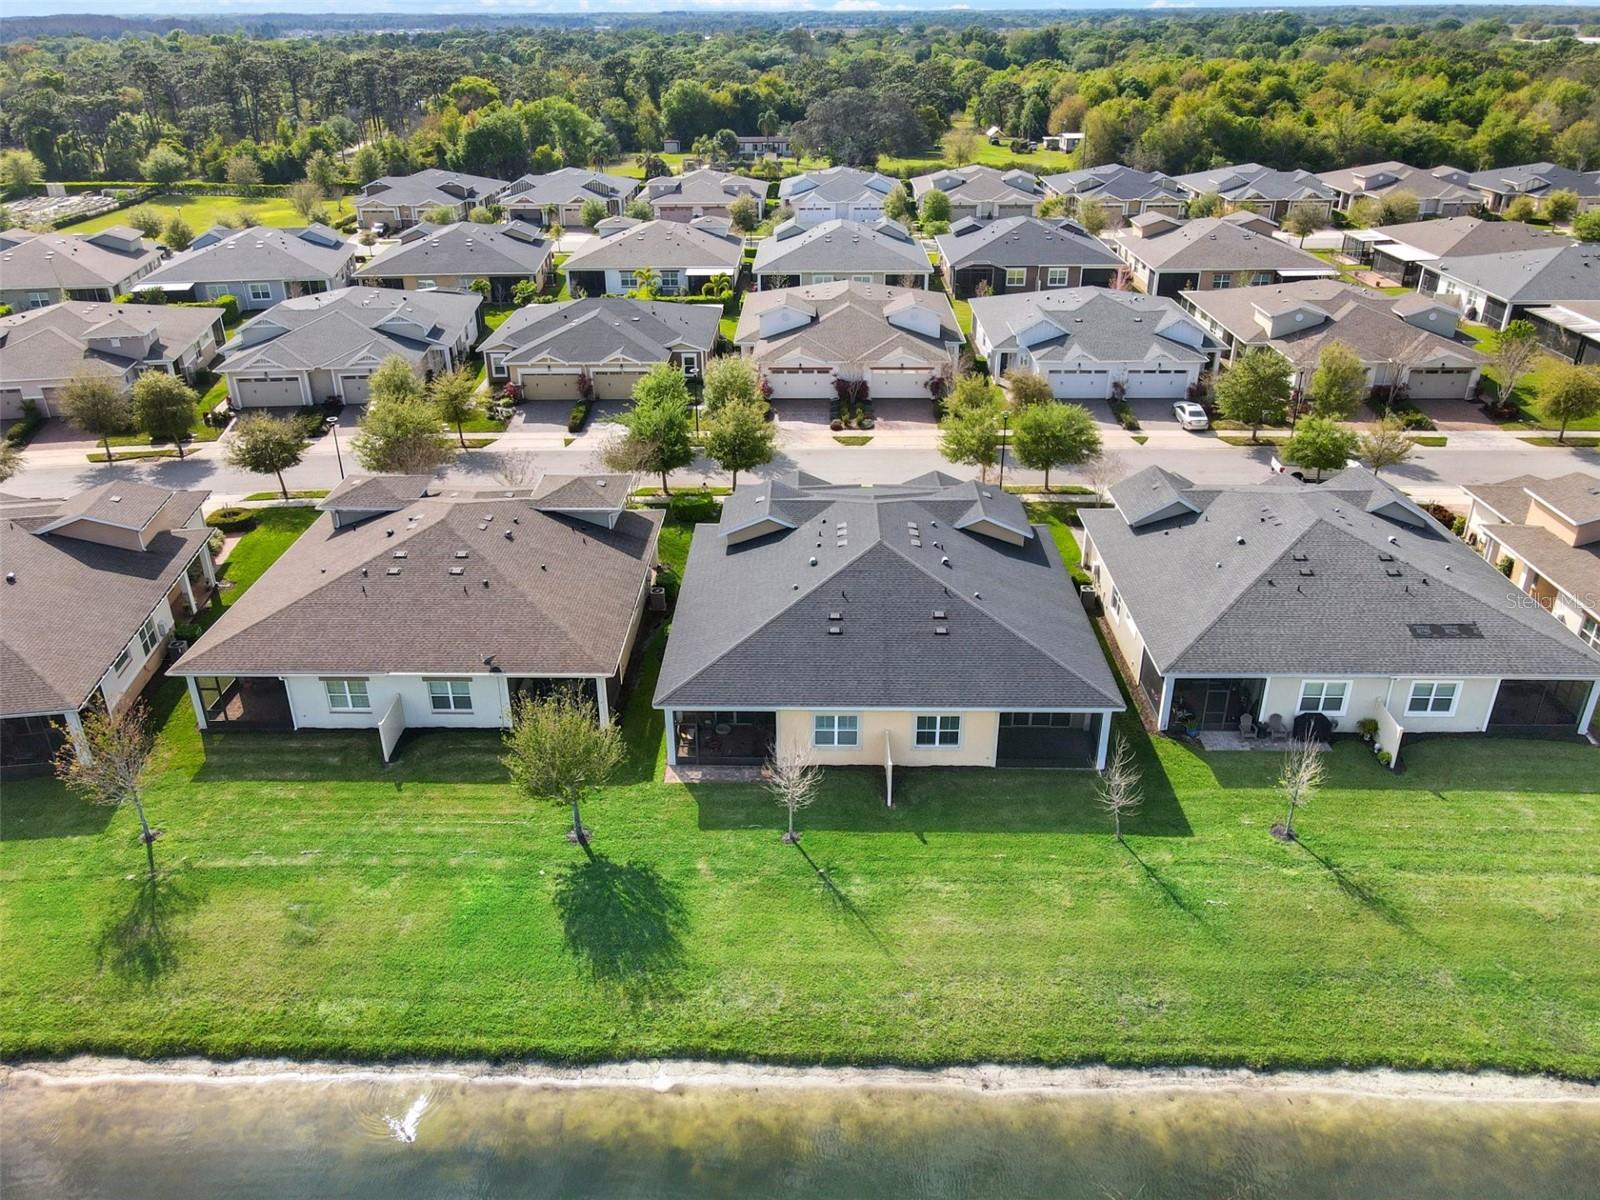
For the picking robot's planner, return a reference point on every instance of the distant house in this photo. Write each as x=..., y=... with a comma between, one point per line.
x=558, y=197
x=93, y=587
x=985, y=193
x=1342, y=599
x=1440, y=192
x=896, y=340
x=1498, y=288
x=1545, y=535
x=835, y=194
x=454, y=256
x=545, y=348
x=881, y=251
x=702, y=193
x=42, y=350
x=1260, y=189
x=403, y=608
x=1022, y=254
x=925, y=624
x=757, y=145
x=684, y=258
x=1167, y=257
x=1407, y=250
x=1499, y=186
x=316, y=349
x=1086, y=341
x=1121, y=191
x=1410, y=341
x=257, y=266
x=37, y=269
x=400, y=201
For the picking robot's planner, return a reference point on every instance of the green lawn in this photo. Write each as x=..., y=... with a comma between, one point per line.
x=318, y=903
x=1529, y=388
x=202, y=212
x=1040, y=162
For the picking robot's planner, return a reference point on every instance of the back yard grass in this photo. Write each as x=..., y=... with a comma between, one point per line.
x=316, y=903
x=1530, y=388
x=202, y=212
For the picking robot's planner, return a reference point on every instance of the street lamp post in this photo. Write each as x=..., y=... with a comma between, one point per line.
x=333, y=427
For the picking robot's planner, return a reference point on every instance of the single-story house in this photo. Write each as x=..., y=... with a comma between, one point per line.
x=1406, y=251
x=43, y=349
x=835, y=194
x=453, y=256
x=1409, y=341
x=1087, y=341
x=322, y=348
x=1022, y=254
x=906, y=625
x=257, y=266
x=1440, y=192
x=37, y=269
x=1121, y=191
x=1498, y=288
x=1544, y=535
x=545, y=348
x=1570, y=330
x=896, y=340
x=759, y=144
x=1499, y=186
x=1260, y=189
x=702, y=193
x=1344, y=599
x=684, y=257
x=414, y=609
x=93, y=587
x=1167, y=256
x=400, y=201
x=986, y=193
x=881, y=251
x=558, y=197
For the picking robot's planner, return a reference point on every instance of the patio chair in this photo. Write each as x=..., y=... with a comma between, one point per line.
x=1247, y=725
x=1277, y=731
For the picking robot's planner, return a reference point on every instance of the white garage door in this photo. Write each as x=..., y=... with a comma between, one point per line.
x=355, y=388
x=549, y=385
x=275, y=391
x=801, y=383
x=893, y=384
x=1165, y=383
x=1439, y=383
x=1079, y=385
x=10, y=403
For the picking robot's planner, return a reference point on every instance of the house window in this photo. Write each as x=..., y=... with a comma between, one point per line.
x=347, y=695
x=938, y=732
x=1436, y=699
x=835, y=729
x=1261, y=278
x=260, y=291
x=861, y=278
x=149, y=636
x=627, y=280
x=1056, y=277
x=1220, y=282
x=450, y=695
x=497, y=365
x=1326, y=696
x=427, y=285
x=38, y=299
x=671, y=282
x=123, y=659
x=1016, y=277
x=1116, y=603
x=1590, y=632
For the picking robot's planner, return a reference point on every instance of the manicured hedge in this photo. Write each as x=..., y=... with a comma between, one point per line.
x=232, y=520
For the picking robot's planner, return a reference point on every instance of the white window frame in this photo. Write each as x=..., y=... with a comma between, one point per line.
x=939, y=731
x=39, y=300
x=456, y=694
x=120, y=664
x=627, y=280
x=427, y=285
x=1589, y=630
x=346, y=689
x=1016, y=277
x=265, y=292
x=1322, y=696
x=829, y=731
x=497, y=365
x=1222, y=281
x=1116, y=604
x=149, y=635
x=1431, y=696
x=1057, y=277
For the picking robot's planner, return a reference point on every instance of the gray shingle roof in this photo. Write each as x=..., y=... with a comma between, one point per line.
x=1284, y=577
x=1023, y=242
x=350, y=325
x=751, y=627
x=257, y=253
x=1252, y=181
x=848, y=324
x=568, y=185
x=844, y=248
x=1104, y=325
x=703, y=187
x=68, y=260
x=837, y=185
x=968, y=185
x=1575, y=496
x=657, y=244
x=1114, y=182
x=601, y=329
x=1213, y=243
x=1531, y=276
x=1464, y=236
x=1537, y=180
x=465, y=248
x=1379, y=179
x=52, y=343
x=376, y=493
x=429, y=187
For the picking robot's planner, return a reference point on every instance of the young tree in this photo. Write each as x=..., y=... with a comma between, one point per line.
x=1117, y=789
x=304, y=197
x=1028, y=387
x=1050, y=435
x=243, y=171
x=1299, y=778
x=1206, y=204
x=1560, y=206
x=401, y=432
x=1365, y=212
x=935, y=206
x=104, y=761
x=267, y=445
x=1103, y=470
x=656, y=429
x=1303, y=220
x=1515, y=348
x=1522, y=208
x=639, y=209
x=145, y=219
x=164, y=165
x=740, y=438
x=1321, y=445
x=323, y=173
x=969, y=432
x=1386, y=444
x=440, y=214
x=95, y=405
x=593, y=212
x=178, y=236
x=1572, y=394
x=898, y=205
x=744, y=214
x=793, y=779
x=455, y=395
x=1091, y=215
x=1339, y=383
x=729, y=379
x=10, y=460
x=1398, y=208
x=557, y=750
x=1586, y=226
x=1255, y=390
x=164, y=406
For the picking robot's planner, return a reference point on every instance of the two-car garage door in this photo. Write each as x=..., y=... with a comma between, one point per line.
x=1073, y=383
x=1439, y=383
x=270, y=391
x=563, y=385
x=800, y=383
x=1160, y=383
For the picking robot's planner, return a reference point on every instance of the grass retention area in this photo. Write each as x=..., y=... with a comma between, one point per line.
x=202, y=212
x=316, y=903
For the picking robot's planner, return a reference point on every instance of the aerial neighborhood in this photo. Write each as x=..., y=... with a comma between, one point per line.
x=1090, y=509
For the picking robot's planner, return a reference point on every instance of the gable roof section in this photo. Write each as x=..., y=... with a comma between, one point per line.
x=1570, y=272
x=837, y=185
x=849, y=324
x=1251, y=181
x=969, y=185
x=1114, y=182
x=671, y=244
x=431, y=186
x=567, y=185
x=464, y=248
x=1023, y=242
x=257, y=253
x=703, y=187
x=52, y=343
x=1214, y=243
x=347, y=326
x=1464, y=236
x=603, y=329
x=843, y=247
x=1103, y=325
x=1444, y=183
x=1536, y=179
x=69, y=260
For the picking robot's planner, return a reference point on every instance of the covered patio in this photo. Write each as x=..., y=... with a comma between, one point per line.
x=243, y=702
x=1216, y=704
x=1541, y=706
x=724, y=738
x=1048, y=739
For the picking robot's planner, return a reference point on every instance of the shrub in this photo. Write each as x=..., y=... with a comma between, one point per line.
x=232, y=520
x=585, y=387
x=1367, y=727
x=229, y=304
x=1414, y=419
x=579, y=416
x=23, y=429
x=1385, y=757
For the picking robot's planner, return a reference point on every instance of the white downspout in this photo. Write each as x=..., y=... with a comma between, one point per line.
x=1105, y=741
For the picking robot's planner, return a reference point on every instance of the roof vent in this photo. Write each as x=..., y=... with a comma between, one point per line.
x=941, y=631
x=938, y=614
x=813, y=560
x=400, y=554
x=510, y=536
x=944, y=560
x=461, y=554
x=835, y=630
x=116, y=499
x=1238, y=541
x=458, y=570
x=392, y=571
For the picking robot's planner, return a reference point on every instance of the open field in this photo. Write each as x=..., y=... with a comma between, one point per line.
x=202, y=212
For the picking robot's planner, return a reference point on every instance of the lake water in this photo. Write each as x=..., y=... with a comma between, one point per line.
x=283, y=1137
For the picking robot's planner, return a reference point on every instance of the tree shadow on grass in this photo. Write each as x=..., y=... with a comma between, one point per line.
x=1376, y=903
x=845, y=904
x=623, y=921
x=145, y=941
x=1173, y=895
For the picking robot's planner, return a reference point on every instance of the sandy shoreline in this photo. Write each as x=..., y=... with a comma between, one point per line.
x=669, y=1074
